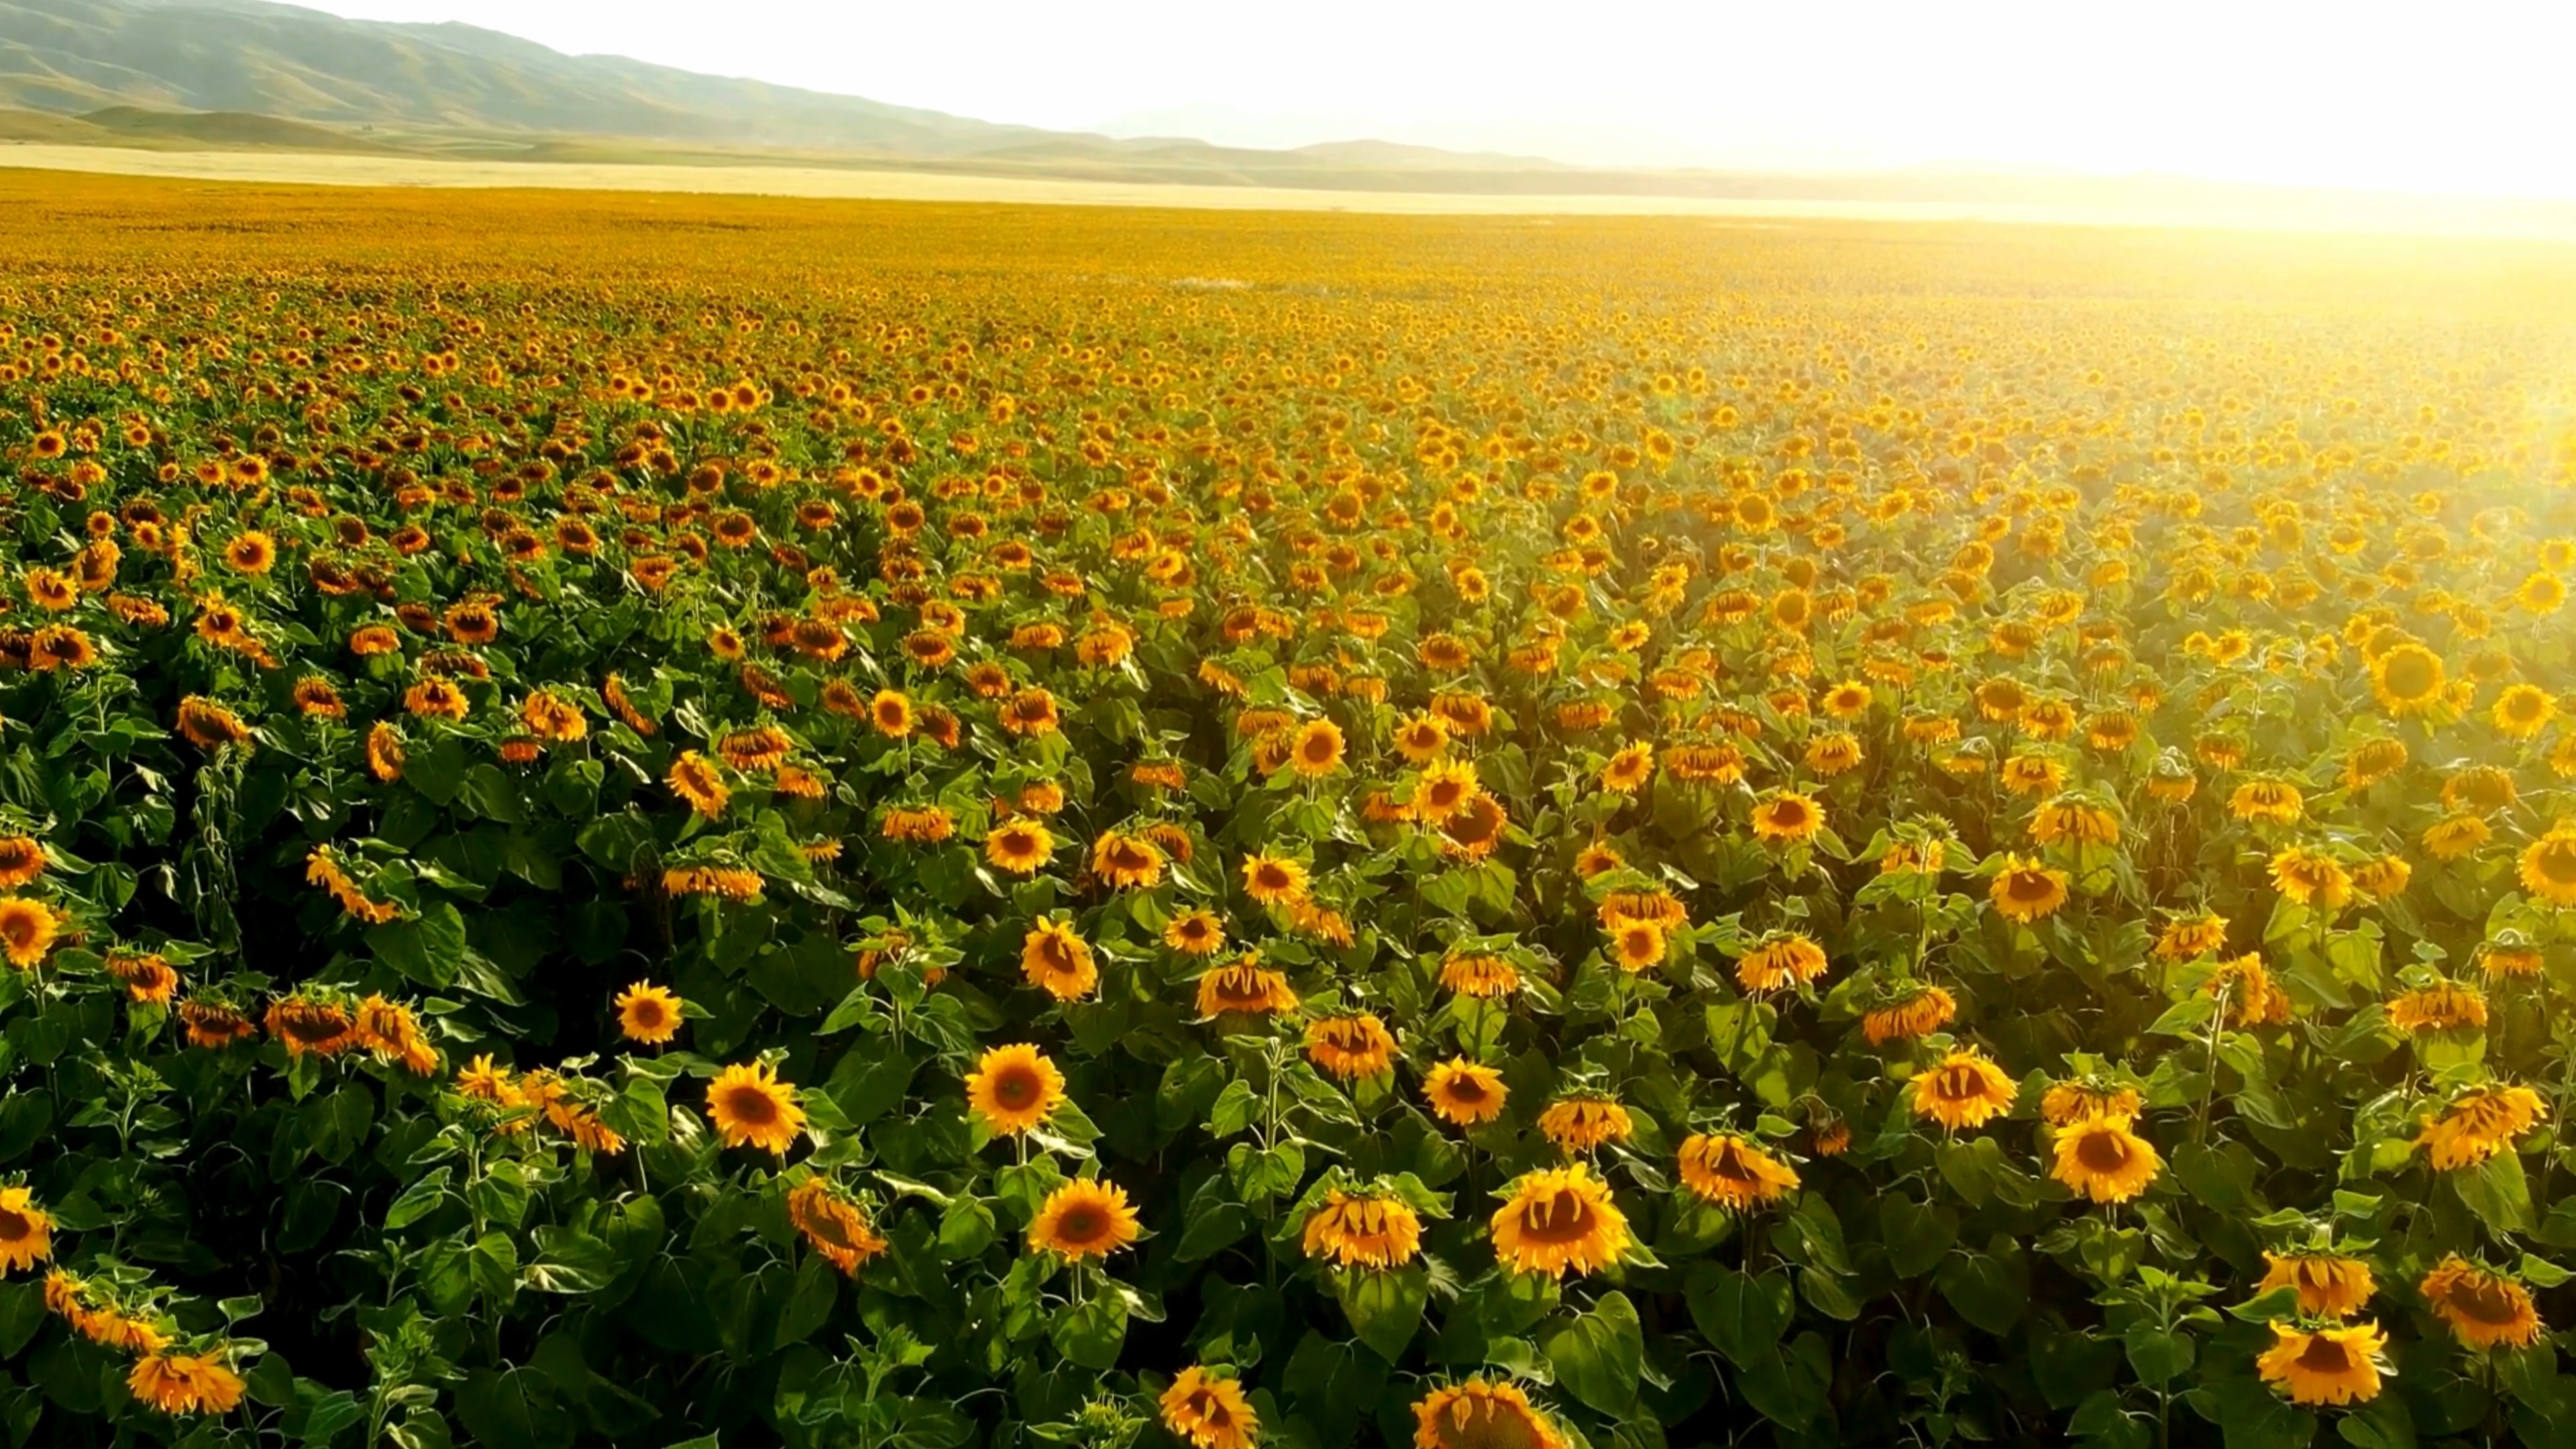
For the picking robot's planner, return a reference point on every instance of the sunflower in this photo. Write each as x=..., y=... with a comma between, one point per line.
x=2329, y=1284
x=208, y=725
x=1083, y=1219
x=26, y=1231
x=1273, y=881
x=890, y=714
x=2102, y=1159
x=27, y=930
x=1351, y=1046
x=2068, y=1103
x=2479, y=1124
x=1559, y=1218
x=1464, y=1093
x=1481, y=1415
x=2548, y=866
x=1021, y=846
x=2484, y=1309
x=2311, y=878
x=694, y=778
x=2522, y=711
x=1195, y=933
x=1787, y=819
x=1014, y=1088
x=1421, y=738
x=2273, y=802
x=836, y=1226
x=2443, y=1006
x=1475, y=830
x=1964, y=1089
x=1209, y=1412
x=22, y=859
x=2407, y=680
x=1316, y=748
x=1244, y=987
x=752, y=1108
x=2456, y=836
x=1780, y=959
x=1443, y=789
x=1362, y=1230
x=2026, y=890
x=2324, y=1365
x=1584, y=1121
x=1126, y=862
x=2187, y=938
x=436, y=698
x=1057, y=961
x=178, y=1383
x=1917, y=1014
x=1732, y=1171
x=648, y=1014
x=2372, y=761
x=1629, y=769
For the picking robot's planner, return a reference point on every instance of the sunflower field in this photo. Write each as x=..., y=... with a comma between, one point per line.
x=684, y=822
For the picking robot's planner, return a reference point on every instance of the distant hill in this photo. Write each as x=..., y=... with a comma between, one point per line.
x=234, y=75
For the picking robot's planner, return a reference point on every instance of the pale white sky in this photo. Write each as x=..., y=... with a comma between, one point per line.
x=2473, y=96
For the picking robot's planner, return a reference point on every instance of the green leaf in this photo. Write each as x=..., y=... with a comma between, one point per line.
x=1917, y=1236
x=569, y=1261
x=1989, y=1289
x=1385, y=1306
x=2498, y=1193
x=809, y=1304
x=1091, y=1333
x=2158, y=1355
x=1742, y=1317
x=1600, y=1357
x=511, y=1410
x=418, y=1200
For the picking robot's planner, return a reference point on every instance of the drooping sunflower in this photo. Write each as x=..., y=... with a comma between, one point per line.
x=2484, y=1309
x=2443, y=1006
x=1479, y=975
x=1780, y=959
x=2312, y=878
x=1733, y=1171
x=1057, y=961
x=1083, y=1219
x=1209, y=1412
x=178, y=1383
x=1350, y=1046
x=752, y=1108
x=1362, y=1230
x=1014, y=1088
x=2068, y=1103
x=26, y=1231
x=1964, y=1089
x=1556, y=1219
x=2330, y=1285
x=695, y=778
x=2324, y=1365
x=2027, y=890
x=1584, y=1121
x=2102, y=1159
x=1917, y=1013
x=1464, y=1093
x=1244, y=987
x=2479, y=1124
x=1481, y=1415
x=836, y=1226
x=648, y=1014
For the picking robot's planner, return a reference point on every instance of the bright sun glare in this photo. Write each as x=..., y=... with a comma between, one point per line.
x=2467, y=97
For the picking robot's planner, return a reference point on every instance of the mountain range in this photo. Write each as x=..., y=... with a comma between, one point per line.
x=231, y=75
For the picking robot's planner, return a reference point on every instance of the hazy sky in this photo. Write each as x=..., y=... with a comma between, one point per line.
x=2439, y=95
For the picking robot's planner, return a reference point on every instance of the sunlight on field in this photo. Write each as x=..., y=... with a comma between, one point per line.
x=2358, y=213
x=675, y=820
